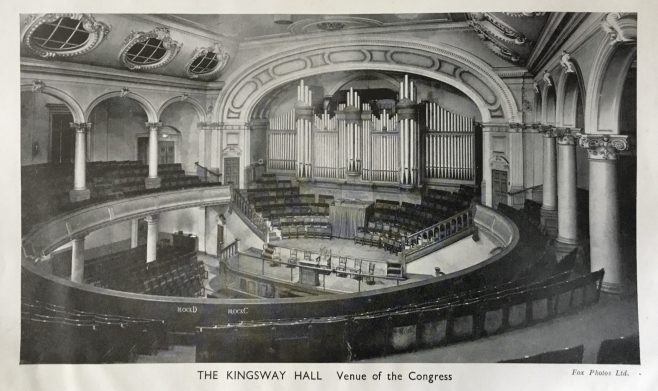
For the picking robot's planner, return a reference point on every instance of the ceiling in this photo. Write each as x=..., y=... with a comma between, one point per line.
x=245, y=27
x=510, y=36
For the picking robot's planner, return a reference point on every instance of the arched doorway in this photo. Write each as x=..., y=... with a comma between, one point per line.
x=118, y=125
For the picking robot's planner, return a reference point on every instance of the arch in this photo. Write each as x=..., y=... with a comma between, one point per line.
x=69, y=101
x=606, y=82
x=567, y=96
x=441, y=62
x=151, y=114
x=355, y=76
x=184, y=99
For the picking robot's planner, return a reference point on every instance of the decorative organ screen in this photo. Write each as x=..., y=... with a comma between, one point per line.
x=407, y=144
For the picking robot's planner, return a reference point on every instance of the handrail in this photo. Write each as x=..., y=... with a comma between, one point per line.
x=242, y=204
x=515, y=192
x=453, y=225
x=229, y=251
x=207, y=174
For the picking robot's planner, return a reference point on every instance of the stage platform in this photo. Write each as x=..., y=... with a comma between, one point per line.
x=457, y=256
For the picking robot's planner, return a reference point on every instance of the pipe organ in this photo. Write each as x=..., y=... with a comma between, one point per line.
x=281, y=141
x=304, y=117
x=449, y=145
x=408, y=128
x=401, y=145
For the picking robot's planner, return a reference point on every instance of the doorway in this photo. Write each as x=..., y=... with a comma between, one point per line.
x=499, y=187
x=62, y=138
x=166, y=151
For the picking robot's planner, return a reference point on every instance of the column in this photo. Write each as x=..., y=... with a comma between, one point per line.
x=549, y=191
x=80, y=191
x=78, y=259
x=153, y=181
x=134, y=233
x=515, y=142
x=605, y=249
x=567, y=213
x=151, y=238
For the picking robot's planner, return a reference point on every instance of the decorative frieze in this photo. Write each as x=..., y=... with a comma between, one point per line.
x=548, y=131
x=603, y=147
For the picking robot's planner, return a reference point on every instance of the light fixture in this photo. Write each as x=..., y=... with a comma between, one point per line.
x=283, y=19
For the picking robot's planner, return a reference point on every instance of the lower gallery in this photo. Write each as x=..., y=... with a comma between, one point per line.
x=444, y=187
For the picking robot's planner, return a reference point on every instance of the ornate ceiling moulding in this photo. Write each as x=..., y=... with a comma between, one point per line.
x=171, y=46
x=205, y=54
x=492, y=38
x=331, y=23
x=84, y=25
x=524, y=14
x=498, y=28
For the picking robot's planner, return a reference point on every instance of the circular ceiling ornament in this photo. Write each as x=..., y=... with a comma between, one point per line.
x=207, y=62
x=331, y=23
x=149, y=50
x=63, y=35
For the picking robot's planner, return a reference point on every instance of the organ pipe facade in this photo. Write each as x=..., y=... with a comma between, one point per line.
x=410, y=144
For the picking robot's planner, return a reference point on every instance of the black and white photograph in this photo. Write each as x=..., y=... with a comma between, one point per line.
x=364, y=189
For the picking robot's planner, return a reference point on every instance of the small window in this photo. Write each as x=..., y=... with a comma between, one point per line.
x=145, y=53
x=149, y=50
x=204, y=64
x=62, y=34
x=207, y=62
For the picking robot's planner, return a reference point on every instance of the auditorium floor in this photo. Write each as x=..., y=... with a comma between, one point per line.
x=612, y=317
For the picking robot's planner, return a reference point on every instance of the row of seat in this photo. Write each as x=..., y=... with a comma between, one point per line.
x=401, y=329
x=312, y=230
x=55, y=334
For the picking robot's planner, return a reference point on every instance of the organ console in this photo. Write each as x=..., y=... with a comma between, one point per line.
x=408, y=144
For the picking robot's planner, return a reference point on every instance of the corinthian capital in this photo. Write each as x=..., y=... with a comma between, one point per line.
x=603, y=147
x=548, y=130
x=566, y=136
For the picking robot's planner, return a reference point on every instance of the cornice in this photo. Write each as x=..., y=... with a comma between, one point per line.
x=256, y=42
x=31, y=65
x=511, y=72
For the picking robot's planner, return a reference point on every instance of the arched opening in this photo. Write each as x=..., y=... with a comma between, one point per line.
x=376, y=88
x=46, y=134
x=548, y=112
x=118, y=130
x=183, y=117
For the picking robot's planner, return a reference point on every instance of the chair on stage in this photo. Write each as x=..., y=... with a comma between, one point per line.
x=342, y=267
x=292, y=260
x=370, y=279
x=357, y=269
